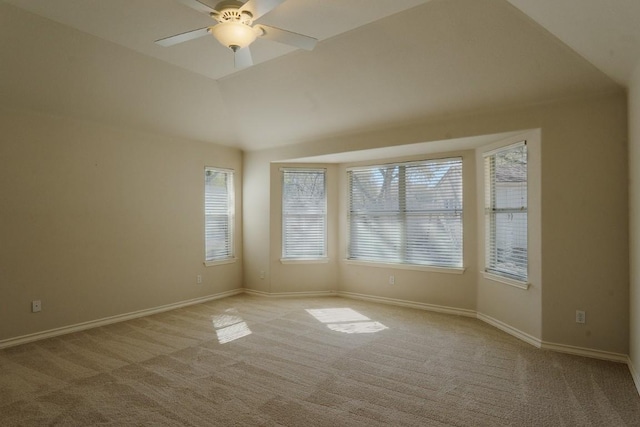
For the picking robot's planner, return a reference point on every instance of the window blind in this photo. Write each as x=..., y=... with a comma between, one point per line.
x=304, y=213
x=219, y=214
x=407, y=213
x=506, y=211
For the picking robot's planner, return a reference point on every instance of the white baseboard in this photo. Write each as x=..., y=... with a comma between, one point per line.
x=634, y=374
x=586, y=352
x=410, y=304
x=560, y=348
x=563, y=348
x=530, y=339
x=112, y=319
x=290, y=294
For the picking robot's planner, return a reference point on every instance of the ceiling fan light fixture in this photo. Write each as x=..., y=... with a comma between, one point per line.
x=234, y=35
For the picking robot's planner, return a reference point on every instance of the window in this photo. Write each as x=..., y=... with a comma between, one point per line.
x=506, y=211
x=408, y=213
x=219, y=214
x=304, y=214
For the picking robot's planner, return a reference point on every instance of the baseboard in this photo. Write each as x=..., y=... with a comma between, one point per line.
x=410, y=304
x=290, y=294
x=586, y=352
x=562, y=348
x=112, y=319
x=634, y=374
x=530, y=339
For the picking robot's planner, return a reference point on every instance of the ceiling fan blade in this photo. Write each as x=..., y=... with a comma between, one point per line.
x=260, y=7
x=287, y=37
x=197, y=5
x=242, y=58
x=183, y=37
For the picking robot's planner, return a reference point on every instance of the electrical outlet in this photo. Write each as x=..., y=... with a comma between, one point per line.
x=198, y=279
x=581, y=316
x=392, y=280
x=262, y=275
x=36, y=306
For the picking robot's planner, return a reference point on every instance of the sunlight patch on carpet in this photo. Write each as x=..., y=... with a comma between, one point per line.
x=230, y=326
x=346, y=320
x=357, y=328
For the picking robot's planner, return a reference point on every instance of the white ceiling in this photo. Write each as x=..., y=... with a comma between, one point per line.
x=606, y=32
x=136, y=24
x=379, y=64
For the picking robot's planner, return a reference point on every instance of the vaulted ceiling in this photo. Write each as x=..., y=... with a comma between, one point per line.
x=378, y=63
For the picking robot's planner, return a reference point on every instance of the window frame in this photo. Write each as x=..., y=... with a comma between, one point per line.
x=491, y=271
x=404, y=262
x=229, y=256
x=299, y=258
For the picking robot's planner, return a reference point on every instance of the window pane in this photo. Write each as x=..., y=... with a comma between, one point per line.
x=435, y=239
x=375, y=237
x=506, y=212
x=304, y=206
x=219, y=214
x=407, y=213
x=375, y=190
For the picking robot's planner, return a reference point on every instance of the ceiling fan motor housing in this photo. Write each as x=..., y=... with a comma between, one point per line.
x=229, y=11
x=234, y=15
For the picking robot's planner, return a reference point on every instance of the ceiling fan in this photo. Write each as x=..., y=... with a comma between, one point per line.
x=235, y=29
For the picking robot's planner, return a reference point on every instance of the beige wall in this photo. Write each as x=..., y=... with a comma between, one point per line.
x=584, y=232
x=256, y=231
x=585, y=225
x=634, y=215
x=98, y=222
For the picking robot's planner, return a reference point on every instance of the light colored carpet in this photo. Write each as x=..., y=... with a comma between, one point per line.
x=331, y=361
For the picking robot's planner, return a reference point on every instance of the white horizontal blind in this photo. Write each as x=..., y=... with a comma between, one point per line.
x=408, y=213
x=304, y=213
x=506, y=211
x=219, y=214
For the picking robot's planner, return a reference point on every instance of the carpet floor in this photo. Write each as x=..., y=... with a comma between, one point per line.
x=253, y=361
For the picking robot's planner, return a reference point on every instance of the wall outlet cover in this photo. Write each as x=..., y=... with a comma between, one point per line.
x=36, y=306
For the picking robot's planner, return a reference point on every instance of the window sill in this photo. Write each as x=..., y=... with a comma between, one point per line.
x=415, y=267
x=304, y=260
x=220, y=262
x=511, y=282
